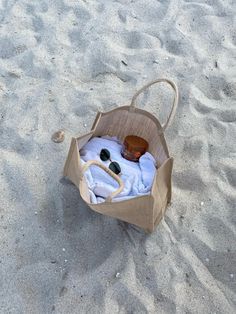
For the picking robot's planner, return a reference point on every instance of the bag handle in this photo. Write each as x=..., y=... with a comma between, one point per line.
x=111, y=173
x=175, y=101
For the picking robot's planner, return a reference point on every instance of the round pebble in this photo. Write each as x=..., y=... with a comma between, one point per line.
x=58, y=137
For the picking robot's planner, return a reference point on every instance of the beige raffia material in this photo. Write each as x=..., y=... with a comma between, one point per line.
x=143, y=211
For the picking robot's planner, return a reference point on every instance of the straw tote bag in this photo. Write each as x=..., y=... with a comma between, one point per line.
x=143, y=211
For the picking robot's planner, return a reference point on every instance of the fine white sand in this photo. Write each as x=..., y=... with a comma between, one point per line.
x=61, y=62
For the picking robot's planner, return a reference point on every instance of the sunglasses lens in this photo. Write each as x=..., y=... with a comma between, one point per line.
x=105, y=154
x=115, y=167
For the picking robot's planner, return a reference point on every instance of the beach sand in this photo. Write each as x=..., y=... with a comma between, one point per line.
x=61, y=62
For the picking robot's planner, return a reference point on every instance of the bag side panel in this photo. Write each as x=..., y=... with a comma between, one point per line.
x=137, y=211
x=161, y=190
x=72, y=166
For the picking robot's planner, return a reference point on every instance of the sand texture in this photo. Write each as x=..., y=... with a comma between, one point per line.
x=60, y=62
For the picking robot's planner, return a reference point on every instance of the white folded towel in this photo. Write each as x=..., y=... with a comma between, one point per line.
x=137, y=176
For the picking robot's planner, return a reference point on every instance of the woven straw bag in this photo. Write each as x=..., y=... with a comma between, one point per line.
x=143, y=211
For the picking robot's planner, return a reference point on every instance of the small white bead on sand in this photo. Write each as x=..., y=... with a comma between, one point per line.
x=202, y=203
x=63, y=249
x=231, y=275
x=117, y=275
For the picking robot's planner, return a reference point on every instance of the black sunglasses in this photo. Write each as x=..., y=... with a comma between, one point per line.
x=114, y=166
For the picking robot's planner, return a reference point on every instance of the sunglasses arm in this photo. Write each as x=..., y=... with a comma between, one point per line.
x=111, y=173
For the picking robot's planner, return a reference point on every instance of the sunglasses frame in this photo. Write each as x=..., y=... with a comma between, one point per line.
x=105, y=150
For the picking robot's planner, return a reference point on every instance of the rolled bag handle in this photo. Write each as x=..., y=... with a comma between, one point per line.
x=111, y=173
x=175, y=101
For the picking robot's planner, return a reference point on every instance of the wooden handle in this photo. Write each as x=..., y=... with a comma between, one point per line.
x=111, y=173
x=175, y=101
